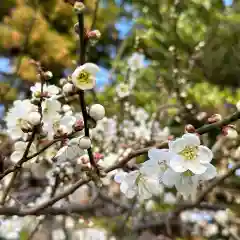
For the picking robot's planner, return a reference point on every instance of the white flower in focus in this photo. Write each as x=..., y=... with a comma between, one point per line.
x=136, y=61
x=123, y=90
x=186, y=183
x=17, y=117
x=84, y=77
x=50, y=109
x=136, y=183
x=189, y=154
x=20, y=148
x=158, y=163
x=48, y=90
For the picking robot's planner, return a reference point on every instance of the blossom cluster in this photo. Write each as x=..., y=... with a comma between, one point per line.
x=184, y=165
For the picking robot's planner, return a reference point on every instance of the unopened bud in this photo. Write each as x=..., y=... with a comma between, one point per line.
x=215, y=118
x=79, y=7
x=34, y=118
x=79, y=125
x=230, y=131
x=68, y=88
x=94, y=36
x=98, y=156
x=85, y=143
x=97, y=112
x=48, y=75
x=190, y=128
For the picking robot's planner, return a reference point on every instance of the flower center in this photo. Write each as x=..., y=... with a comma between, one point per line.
x=189, y=152
x=84, y=77
x=124, y=88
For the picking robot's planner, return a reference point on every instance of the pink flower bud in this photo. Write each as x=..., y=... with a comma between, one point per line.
x=190, y=128
x=215, y=118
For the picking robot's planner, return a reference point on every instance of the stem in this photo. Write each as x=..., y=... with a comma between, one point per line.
x=81, y=93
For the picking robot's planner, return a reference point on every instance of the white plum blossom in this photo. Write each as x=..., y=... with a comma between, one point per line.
x=48, y=90
x=19, y=149
x=188, y=154
x=157, y=163
x=58, y=125
x=123, y=90
x=69, y=152
x=17, y=118
x=137, y=183
x=50, y=109
x=136, y=61
x=84, y=77
x=186, y=183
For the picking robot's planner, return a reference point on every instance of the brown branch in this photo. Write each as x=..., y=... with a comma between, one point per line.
x=66, y=210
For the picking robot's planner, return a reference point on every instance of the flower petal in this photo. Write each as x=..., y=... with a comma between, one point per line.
x=195, y=166
x=191, y=139
x=178, y=164
x=92, y=68
x=169, y=177
x=205, y=155
x=16, y=156
x=177, y=145
x=210, y=173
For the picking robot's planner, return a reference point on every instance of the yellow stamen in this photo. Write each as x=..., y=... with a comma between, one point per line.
x=83, y=77
x=189, y=152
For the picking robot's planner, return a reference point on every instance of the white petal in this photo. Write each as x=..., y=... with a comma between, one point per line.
x=177, y=145
x=124, y=187
x=53, y=90
x=155, y=154
x=160, y=155
x=131, y=178
x=130, y=193
x=178, y=164
x=55, y=105
x=119, y=177
x=191, y=139
x=210, y=173
x=16, y=156
x=16, y=133
x=195, y=166
x=186, y=186
x=92, y=68
x=205, y=155
x=153, y=186
x=152, y=168
x=20, y=146
x=169, y=177
x=68, y=120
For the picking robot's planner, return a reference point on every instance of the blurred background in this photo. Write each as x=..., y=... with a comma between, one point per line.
x=190, y=52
